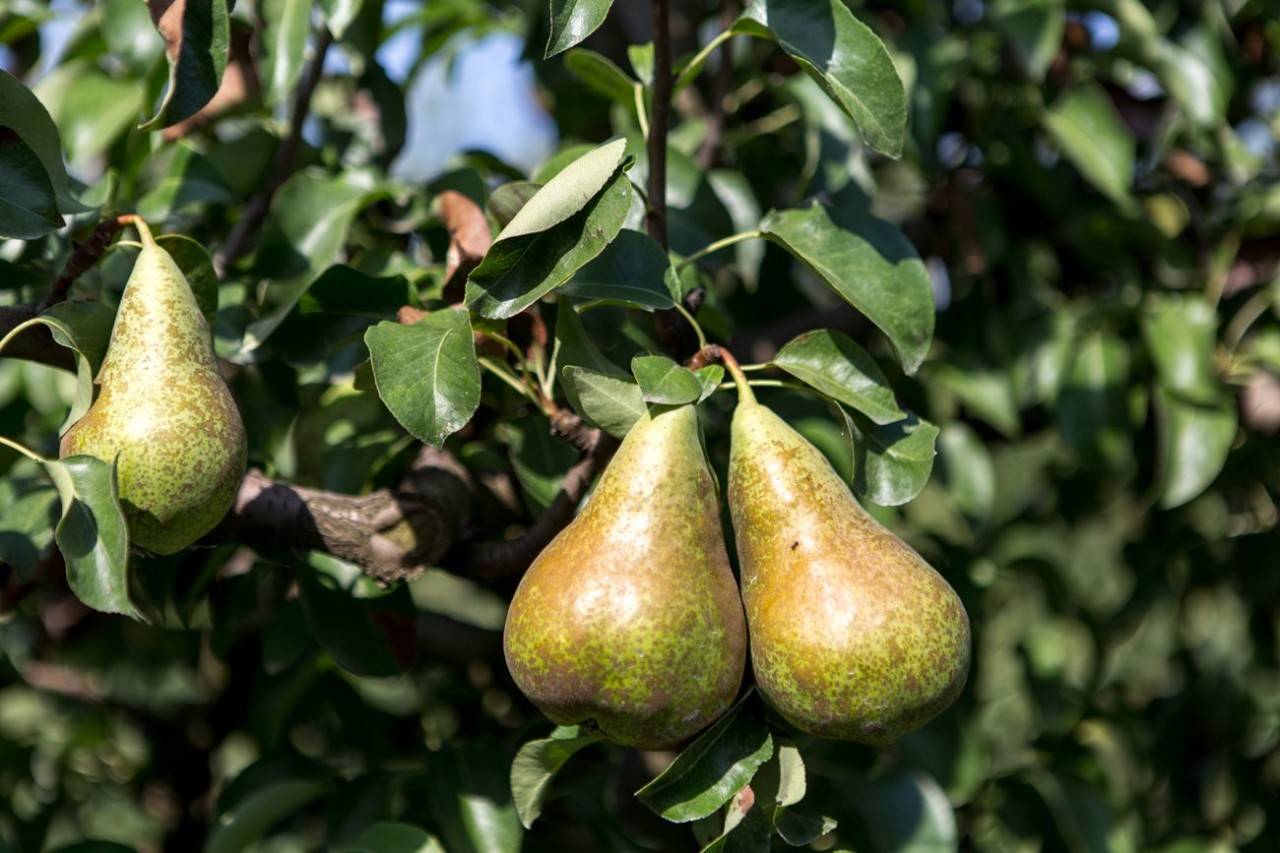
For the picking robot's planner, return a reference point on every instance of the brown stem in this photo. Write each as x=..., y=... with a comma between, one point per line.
x=84, y=257
x=659, y=122
x=255, y=212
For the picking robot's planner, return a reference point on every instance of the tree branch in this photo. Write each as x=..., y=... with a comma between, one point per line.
x=237, y=243
x=83, y=258
x=659, y=122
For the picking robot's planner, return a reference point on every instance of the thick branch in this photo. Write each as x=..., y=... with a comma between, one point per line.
x=281, y=165
x=83, y=258
x=392, y=535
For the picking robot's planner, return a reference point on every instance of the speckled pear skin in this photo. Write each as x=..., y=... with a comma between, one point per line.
x=853, y=635
x=163, y=411
x=630, y=621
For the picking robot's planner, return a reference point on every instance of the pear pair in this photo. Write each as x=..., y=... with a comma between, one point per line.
x=630, y=621
x=164, y=415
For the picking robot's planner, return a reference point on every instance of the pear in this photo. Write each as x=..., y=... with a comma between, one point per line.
x=629, y=621
x=853, y=635
x=164, y=414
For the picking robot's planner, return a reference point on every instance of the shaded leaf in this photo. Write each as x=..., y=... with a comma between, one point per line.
x=197, y=36
x=28, y=207
x=1195, y=441
x=1094, y=137
x=1181, y=333
x=891, y=463
x=1034, y=29
x=601, y=74
x=537, y=763
x=630, y=271
x=23, y=114
x=392, y=837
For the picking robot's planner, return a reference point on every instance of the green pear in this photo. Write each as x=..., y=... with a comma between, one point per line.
x=629, y=621
x=853, y=635
x=163, y=414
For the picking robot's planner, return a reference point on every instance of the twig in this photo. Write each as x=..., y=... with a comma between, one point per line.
x=510, y=557
x=255, y=212
x=659, y=122
x=83, y=258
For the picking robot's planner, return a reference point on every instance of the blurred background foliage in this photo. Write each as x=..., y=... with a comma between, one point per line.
x=1094, y=188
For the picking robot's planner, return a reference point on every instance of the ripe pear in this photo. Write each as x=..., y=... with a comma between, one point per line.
x=853, y=635
x=164, y=413
x=629, y=621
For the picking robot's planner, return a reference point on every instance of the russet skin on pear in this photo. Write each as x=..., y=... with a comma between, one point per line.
x=630, y=621
x=853, y=635
x=164, y=414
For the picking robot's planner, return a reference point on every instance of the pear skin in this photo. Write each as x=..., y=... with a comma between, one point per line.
x=630, y=621
x=853, y=635
x=164, y=413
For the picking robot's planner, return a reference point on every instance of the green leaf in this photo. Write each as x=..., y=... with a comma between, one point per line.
x=578, y=350
x=1092, y=405
x=566, y=224
x=601, y=74
x=835, y=365
x=257, y=811
x=871, y=264
x=966, y=470
x=664, y=382
x=392, y=837
x=606, y=401
x=844, y=57
x=427, y=373
x=891, y=463
x=343, y=625
x=799, y=829
x=746, y=827
x=572, y=21
x=1181, y=334
x=537, y=763
x=341, y=14
x=712, y=769
x=129, y=34
x=507, y=200
x=1034, y=29
x=28, y=206
x=28, y=514
x=197, y=267
x=630, y=271
x=307, y=229
x=92, y=534
x=469, y=796
x=538, y=458
x=197, y=34
x=190, y=180
x=22, y=113
x=91, y=109
x=283, y=40
x=710, y=378
x=905, y=812
x=1195, y=441
x=1094, y=137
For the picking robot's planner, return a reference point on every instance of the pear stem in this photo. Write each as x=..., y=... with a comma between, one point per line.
x=714, y=352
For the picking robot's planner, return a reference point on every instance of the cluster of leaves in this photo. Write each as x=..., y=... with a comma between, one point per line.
x=1095, y=208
